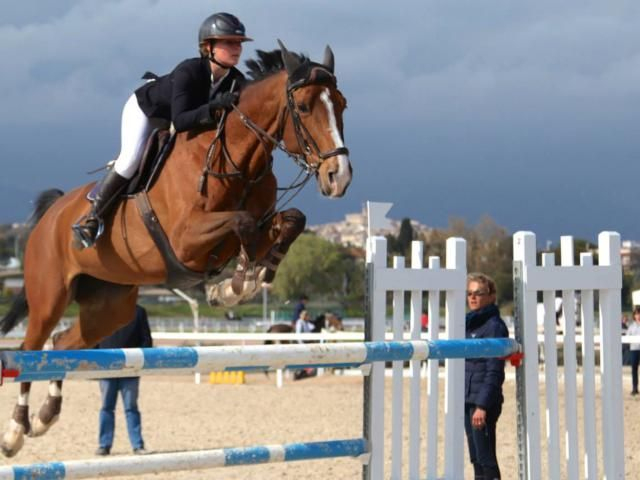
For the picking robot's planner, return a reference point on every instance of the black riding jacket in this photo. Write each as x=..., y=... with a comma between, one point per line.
x=183, y=95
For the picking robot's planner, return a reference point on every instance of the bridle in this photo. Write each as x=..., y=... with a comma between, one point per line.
x=305, y=142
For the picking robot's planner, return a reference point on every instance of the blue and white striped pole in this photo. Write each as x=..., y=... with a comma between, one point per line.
x=23, y=366
x=194, y=460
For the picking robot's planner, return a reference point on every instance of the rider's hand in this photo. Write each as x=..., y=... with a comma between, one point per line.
x=223, y=101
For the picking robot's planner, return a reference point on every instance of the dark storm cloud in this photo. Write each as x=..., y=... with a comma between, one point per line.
x=525, y=112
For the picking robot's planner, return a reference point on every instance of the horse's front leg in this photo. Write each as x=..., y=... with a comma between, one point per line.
x=197, y=239
x=285, y=227
x=272, y=243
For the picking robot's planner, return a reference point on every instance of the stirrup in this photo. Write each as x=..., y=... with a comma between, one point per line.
x=80, y=232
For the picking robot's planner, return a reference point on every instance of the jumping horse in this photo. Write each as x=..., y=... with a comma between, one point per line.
x=214, y=199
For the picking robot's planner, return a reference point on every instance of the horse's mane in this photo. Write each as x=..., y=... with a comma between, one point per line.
x=268, y=63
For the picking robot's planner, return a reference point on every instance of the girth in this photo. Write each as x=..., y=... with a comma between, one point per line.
x=178, y=275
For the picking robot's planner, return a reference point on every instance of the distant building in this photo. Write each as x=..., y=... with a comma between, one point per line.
x=352, y=231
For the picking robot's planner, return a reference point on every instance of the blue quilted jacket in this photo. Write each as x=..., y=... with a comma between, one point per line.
x=484, y=376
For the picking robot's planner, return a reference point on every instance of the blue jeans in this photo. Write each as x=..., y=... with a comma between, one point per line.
x=128, y=388
x=482, y=442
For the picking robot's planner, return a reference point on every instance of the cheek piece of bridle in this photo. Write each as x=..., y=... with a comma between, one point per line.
x=307, y=144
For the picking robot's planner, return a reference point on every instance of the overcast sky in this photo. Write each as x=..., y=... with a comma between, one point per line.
x=528, y=112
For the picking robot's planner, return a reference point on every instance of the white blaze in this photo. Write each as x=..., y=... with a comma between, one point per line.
x=343, y=177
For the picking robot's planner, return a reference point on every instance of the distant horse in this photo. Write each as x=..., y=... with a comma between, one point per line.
x=214, y=199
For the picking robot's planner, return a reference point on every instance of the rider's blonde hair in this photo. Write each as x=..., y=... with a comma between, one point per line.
x=486, y=280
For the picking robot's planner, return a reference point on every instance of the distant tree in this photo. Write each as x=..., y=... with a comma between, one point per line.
x=489, y=250
x=405, y=236
x=317, y=267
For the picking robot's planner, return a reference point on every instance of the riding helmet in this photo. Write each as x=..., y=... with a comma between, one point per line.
x=222, y=26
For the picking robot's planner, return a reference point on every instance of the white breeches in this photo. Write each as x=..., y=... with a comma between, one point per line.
x=136, y=128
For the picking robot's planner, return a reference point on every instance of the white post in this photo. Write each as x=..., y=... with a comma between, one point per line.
x=570, y=366
x=524, y=255
x=588, y=378
x=374, y=385
x=417, y=254
x=398, y=380
x=611, y=362
x=433, y=389
x=454, y=368
x=551, y=374
x=193, y=305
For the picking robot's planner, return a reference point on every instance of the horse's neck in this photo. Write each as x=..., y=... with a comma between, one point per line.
x=263, y=102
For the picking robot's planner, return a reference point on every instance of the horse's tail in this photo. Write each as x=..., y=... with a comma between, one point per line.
x=44, y=201
x=19, y=308
x=17, y=312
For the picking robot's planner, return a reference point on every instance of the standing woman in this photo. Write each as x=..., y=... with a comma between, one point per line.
x=483, y=378
x=192, y=96
x=634, y=349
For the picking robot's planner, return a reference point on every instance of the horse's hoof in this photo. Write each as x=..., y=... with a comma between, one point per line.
x=222, y=294
x=13, y=439
x=38, y=427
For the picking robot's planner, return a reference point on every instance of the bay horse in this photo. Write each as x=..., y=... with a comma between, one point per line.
x=215, y=199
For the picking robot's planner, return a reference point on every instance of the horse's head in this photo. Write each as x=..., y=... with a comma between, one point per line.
x=314, y=127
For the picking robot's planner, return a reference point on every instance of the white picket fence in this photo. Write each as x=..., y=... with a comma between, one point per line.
x=598, y=284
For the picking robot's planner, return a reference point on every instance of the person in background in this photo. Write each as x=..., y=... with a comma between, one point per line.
x=626, y=354
x=304, y=325
x=634, y=349
x=483, y=378
x=297, y=310
x=135, y=334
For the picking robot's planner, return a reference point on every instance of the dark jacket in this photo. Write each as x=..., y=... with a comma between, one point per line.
x=183, y=95
x=483, y=377
x=136, y=334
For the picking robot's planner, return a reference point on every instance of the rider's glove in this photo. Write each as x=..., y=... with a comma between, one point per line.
x=223, y=101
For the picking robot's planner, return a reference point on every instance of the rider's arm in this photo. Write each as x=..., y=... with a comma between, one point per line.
x=186, y=112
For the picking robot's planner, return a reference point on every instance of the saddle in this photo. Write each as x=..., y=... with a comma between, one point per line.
x=159, y=146
x=157, y=150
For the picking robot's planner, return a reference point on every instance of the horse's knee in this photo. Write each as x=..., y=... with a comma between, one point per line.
x=246, y=229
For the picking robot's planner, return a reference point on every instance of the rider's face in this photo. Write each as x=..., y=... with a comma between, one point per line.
x=227, y=52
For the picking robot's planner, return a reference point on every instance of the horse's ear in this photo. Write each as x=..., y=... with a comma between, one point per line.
x=290, y=61
x=328, y=58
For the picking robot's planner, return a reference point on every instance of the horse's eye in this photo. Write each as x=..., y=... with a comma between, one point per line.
x=303, y=108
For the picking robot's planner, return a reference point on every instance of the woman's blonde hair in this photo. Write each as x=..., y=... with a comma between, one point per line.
x=486, y=280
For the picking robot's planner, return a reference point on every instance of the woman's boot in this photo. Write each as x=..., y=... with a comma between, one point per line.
x=90, y=227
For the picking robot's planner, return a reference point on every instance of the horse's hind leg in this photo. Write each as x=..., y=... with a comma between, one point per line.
x=44, y=313
x=103, y=308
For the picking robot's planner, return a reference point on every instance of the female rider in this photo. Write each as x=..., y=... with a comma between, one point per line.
x=189, y=97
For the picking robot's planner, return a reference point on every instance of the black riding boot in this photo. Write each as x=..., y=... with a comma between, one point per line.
x=90, y=227
x=491, y=473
